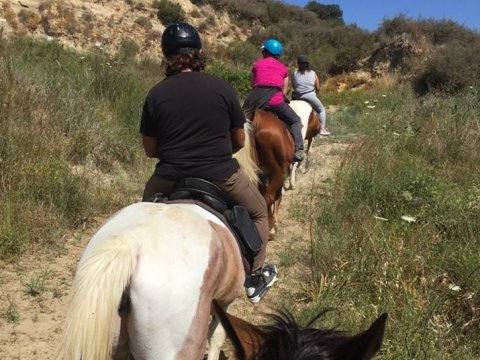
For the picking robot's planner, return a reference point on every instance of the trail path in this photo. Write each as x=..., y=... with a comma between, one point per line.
x=33, y=291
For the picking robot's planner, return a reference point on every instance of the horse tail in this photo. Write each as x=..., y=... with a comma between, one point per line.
x=246, y=155
x=100, y=281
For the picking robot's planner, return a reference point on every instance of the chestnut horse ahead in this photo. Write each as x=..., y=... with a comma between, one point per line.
x=274, y=156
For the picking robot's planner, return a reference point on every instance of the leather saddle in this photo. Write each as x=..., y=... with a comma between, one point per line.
x=236, y=217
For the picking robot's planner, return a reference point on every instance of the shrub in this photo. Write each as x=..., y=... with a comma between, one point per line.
x=29, y=19
x=400, y=24
x=326, y=12
x=10, y=15
x=451, y=69
x=144, y=22
x=45, y=5
x=241, y=53
x=444, y=31
x=238, y=78
x=169, y=12
x=351, y=44
x=128, y=49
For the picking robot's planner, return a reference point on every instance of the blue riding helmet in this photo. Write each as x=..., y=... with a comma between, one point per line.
x=273, y=46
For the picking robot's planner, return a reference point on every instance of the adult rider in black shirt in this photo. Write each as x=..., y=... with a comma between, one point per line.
x=193, y=123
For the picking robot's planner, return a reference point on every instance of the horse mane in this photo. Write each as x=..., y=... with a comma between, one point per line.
x=285, y=339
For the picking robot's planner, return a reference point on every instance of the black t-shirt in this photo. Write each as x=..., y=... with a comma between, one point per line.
x=191, y=114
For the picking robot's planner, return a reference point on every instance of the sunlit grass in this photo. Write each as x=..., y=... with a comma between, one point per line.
x=69, y=129
x=400, y=228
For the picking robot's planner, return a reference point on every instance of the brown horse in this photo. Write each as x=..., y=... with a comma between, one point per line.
x=286, y=340
x=274, y=147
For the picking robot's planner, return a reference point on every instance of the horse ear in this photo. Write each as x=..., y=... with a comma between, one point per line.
x=366, y=344
x=246, y=337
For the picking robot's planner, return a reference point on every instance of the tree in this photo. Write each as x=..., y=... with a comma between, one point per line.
x=325, y=12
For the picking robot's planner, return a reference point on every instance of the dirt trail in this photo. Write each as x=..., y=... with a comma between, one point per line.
x=33, y=291
x=289, y=249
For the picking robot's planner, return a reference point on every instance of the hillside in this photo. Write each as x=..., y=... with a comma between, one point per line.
x=400, y=49
x=104, y=25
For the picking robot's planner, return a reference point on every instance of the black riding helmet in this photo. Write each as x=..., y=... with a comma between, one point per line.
x=180, y=38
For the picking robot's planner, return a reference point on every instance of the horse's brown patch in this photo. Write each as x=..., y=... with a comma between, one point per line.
x=223, y=280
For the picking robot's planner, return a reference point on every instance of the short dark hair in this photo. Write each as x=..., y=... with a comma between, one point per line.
x=193, y=60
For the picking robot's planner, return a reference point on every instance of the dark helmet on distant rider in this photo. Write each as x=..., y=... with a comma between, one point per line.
x=273, y=46
x=180, y=38
x=302, y=59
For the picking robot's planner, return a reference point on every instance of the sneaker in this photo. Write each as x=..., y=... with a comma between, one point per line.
x=298, y=156
x=324, y=132
x=257, y=285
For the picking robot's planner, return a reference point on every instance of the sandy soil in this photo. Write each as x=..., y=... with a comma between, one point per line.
x=34, y=290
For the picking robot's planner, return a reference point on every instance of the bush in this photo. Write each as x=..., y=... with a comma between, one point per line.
x=351, y=44
x=128, y=49
x=326, y=12
x=445, y=31
x=451, y=69
x=29, y=19
x=399, y=25
x=241, y=53
x=238, y=78
x=169, y=12
x=144, y=22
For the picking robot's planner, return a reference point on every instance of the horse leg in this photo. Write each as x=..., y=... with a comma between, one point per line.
x=216, y=335
x=274, y=191
x=307, y=156
x=292, y=182
x=276, y=206
x=271, y=220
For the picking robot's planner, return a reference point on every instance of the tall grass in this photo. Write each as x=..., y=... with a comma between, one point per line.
x=418, y=157
x=69, y=129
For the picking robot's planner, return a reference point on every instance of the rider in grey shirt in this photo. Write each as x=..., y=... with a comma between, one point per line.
x=305, y=86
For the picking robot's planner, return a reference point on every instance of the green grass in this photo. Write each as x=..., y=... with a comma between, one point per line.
x=70, y=125
x=417, y=157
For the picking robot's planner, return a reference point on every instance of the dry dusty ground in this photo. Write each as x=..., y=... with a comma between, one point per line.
x=39, y=316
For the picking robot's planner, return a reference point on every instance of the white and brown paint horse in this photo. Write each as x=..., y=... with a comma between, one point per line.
x=145, y=283
x=310, y=129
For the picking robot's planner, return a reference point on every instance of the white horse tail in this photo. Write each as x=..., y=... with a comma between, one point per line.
x=102, y=275
x=245, y=155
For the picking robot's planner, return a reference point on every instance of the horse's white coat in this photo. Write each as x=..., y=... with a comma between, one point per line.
x=172, y=245
x=166, y=283
x=303, y=110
